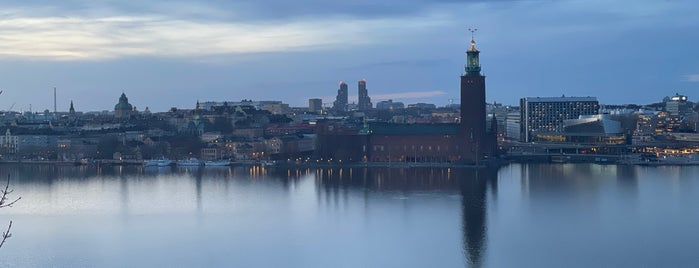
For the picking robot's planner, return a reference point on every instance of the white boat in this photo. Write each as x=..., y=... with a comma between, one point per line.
x=162, y=162
x=219, y=163
x=192, y=162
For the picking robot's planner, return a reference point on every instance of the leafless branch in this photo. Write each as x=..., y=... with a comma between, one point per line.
x=4, y=203
x=5, y=193
x=6, y=234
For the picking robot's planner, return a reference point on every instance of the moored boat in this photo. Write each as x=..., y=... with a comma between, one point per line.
x=191, y=162
x=218, y=163
x=162, y=162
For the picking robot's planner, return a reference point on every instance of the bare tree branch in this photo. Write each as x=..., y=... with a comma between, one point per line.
x=4, y=203
x=6, y=234
x=5, y=193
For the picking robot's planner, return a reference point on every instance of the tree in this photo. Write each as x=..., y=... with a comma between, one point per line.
x=4, y=202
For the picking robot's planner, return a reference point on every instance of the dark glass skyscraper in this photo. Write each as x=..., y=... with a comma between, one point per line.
x=364, y=101
x=340, y=103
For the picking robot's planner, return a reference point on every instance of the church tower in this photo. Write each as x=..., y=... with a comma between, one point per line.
x=473, y=127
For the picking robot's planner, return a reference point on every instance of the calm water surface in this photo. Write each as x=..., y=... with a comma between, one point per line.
x=533, y=215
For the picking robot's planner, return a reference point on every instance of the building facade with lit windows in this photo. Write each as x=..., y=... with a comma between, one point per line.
x=542, y=118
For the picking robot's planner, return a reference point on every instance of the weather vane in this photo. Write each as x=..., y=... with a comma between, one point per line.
x=472, y=31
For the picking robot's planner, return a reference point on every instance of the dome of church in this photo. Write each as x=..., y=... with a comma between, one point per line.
x=123, y=103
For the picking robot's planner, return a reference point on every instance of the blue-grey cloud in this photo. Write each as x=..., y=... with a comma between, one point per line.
x=209, y=50
x=83, y=37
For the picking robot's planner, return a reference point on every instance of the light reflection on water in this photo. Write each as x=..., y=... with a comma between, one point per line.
x=521, y=215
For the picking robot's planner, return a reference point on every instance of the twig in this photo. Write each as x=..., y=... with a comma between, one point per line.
x=6, y=234
x=4, y=198
x=4, y=203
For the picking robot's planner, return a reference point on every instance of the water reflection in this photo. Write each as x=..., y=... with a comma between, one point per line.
x=534, y=215
x=473, y=204
x=546, y=180
x=472, y=185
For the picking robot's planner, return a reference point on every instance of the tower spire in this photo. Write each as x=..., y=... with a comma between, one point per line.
x=473, y=42
x=473, y=66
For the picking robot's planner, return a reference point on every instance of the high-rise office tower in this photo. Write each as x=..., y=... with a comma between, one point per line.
x=340, y=103
x=364, y=101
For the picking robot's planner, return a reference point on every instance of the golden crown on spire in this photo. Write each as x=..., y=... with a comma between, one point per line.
x=473, y=42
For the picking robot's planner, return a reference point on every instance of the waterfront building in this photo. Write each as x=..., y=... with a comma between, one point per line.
x=467, y=142
x=473, y=114
x=8, y=143
x=364, y=101
x=340, y=103
x=315, y=105
x=542, y=117
x=593, y=129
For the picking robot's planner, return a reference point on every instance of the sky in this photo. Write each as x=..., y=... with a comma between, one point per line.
x=164, y=54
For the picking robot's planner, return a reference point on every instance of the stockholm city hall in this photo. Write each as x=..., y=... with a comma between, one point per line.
x=468, y=142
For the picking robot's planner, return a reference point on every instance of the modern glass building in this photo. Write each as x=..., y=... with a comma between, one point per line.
x=544, y=116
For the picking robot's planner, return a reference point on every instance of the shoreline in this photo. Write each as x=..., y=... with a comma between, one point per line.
x=285, y=164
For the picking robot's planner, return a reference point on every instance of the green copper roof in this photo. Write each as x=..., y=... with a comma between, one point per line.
x=123, y=103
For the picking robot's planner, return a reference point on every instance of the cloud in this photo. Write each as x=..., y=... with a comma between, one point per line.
x=692, y=78
x=84, y=37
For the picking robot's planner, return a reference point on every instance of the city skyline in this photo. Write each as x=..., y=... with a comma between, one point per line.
x=412, y=52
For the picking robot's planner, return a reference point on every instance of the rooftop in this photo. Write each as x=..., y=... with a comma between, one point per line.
x=559, y=99
x=413, y=129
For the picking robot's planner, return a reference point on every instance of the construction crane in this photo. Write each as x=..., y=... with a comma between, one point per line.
x=12, y=106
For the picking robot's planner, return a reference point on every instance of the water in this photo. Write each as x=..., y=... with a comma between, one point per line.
x=533, y=215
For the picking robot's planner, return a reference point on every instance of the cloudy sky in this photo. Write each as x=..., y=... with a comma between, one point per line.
x=171, y=53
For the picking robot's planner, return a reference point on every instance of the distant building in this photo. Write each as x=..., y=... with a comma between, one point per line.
x=123, y=109
x=340, y=103
x=364, y=101
x=678, y=106
x=315, y=105
x=545, y=116
x=512, y=126
x=8, y=143
x=595, y=129
x=71, y=111
x=426, y=106
x=276, y=107
x=389, y=105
